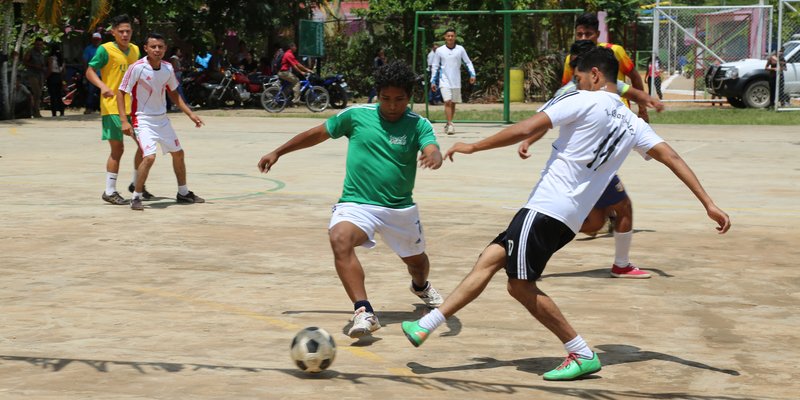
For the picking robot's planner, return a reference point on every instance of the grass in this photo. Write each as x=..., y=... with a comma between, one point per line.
x=701, y=115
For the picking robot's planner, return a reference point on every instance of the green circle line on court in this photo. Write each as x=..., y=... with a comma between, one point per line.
x=278, y=186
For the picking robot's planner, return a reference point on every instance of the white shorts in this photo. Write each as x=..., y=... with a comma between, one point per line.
x=150, y=130
x=400, y=228
x=451, y=94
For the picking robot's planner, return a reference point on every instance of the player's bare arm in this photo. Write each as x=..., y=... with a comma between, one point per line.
x=431, y=157
x=666, y=155
x=91, y=76
x=522, y=150
x=178, y=100
x=311, y=137
x=508, y=136
x=127, y=129
x=643, y=99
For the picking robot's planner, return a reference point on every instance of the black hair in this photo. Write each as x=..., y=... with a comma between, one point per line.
x=601, y=58
x=395, y=74
x=449, y=30
x=55, y=50
x=588, y=20
x=120, y=19
x=579, y=48
x=154, y=35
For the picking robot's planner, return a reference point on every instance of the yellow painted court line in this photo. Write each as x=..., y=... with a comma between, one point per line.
x=356, y=351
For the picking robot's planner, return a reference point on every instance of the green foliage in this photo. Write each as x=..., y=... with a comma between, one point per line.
x=621, y=13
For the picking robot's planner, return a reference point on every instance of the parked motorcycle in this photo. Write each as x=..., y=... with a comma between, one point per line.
x=197, y=88
x=338, y=90
x=236, y=89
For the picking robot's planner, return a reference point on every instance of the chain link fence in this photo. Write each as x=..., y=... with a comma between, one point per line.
x=787, y=77
x=690, y=42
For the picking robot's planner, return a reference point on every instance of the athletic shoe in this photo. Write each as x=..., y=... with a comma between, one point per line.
x=574, y=366
x=136, y=204
x=363, y=323
x=189, y=198
x=114, y=198
x=414, y=333
x=145, y=194
x=630, y=272
x=450, y=129
x=429, y=295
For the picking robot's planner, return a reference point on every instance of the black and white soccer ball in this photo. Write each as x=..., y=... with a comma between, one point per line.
x=313, y=349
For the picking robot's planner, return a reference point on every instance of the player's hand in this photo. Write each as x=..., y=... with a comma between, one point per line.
x=459, y=147
x=267, y=162
x=654, y=102
x=720, y=217
x=106, y=92
x=472, y=80
x=198, y=122
x=522, y=150
x=432, y=160
x=127, y=129
x=433, y=87
x=643, y=113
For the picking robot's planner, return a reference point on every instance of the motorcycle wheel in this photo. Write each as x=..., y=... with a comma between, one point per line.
x=272, y=100
x=317, y=99
x=338, y=96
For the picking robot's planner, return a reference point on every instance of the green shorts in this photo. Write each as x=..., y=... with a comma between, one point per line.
x=112, y=127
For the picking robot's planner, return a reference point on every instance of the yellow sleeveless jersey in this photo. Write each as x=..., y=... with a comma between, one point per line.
x=111, y=63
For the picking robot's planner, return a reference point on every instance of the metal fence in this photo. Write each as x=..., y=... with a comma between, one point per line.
x=687, y=41
x=787, y=81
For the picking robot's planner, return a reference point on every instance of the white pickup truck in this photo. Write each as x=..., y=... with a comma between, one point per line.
x=745, y=83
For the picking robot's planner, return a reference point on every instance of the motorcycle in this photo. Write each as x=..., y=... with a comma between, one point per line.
x=236, y=89
x=338, y=90
x=197, y=88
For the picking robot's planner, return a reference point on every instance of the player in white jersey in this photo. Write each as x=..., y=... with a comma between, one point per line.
x=446, y=70
x=597, y=133
x=147, y=81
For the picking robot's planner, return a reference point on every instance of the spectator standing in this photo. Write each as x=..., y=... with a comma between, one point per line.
x=55, y=79
x=92, y=92
x=377, y=62
x=434, y=96
x=35, y=65
x=654, y=77
x=446, y=70
x=776, y=64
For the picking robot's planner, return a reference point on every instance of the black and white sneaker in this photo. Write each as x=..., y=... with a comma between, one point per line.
x=145, y=194
x=114, y=198
x=189, y=198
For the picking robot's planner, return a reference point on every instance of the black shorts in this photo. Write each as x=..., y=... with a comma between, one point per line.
x=530, y=240
x=613, y=194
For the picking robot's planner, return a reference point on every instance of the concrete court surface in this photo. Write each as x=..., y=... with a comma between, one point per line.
x=201, y=301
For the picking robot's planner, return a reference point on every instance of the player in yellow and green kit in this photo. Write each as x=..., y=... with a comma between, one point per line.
x=111, y=61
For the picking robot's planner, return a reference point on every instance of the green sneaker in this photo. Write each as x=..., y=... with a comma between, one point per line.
x=574, y=367
x=415, y=333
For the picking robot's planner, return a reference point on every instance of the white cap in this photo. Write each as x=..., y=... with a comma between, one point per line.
x=97, y=35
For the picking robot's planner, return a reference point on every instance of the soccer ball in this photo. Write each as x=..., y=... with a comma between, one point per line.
x=313, y=349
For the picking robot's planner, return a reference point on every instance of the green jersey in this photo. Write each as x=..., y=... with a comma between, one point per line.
x=381, y=156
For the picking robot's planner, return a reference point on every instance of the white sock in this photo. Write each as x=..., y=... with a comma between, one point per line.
x=137, y=195
x=622, y=248
x=111, y=183
x=579, y=347
x=183, y=190
x=135, y=176
x=432, y=320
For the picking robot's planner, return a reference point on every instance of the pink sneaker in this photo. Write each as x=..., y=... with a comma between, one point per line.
x=630, y=272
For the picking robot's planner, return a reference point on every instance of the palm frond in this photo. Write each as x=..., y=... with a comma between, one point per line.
x=49, y=11
x=99, y=11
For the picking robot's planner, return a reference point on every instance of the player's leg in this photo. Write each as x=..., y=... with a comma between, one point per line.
x=449, y=108
x=623, y=238
x=112, y=132
x=489, y=262
x=168, y=139
x=351, y=226
x=594, y=221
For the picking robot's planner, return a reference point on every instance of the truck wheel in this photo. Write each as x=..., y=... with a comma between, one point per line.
x=736, y=102
x=756, y=94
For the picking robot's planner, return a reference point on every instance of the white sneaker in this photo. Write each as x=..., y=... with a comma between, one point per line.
x=363, y=323
x=429, y=295
x=450, y=129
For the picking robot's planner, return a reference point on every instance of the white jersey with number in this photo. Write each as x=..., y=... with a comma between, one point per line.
x=446, y=66
x=147, y=87
x=597, y=132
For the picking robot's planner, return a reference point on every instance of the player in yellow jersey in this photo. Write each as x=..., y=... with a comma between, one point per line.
x=111, y=61
x=587, y=27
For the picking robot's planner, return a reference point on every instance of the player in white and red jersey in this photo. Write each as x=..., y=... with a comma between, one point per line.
x=147, y=81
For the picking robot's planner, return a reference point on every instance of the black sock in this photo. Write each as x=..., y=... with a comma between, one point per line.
x=365, y=304
x=417, y=288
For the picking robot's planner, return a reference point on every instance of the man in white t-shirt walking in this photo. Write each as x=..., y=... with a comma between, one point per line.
x=597, y=133
x=146, y=81
x=446, y=70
